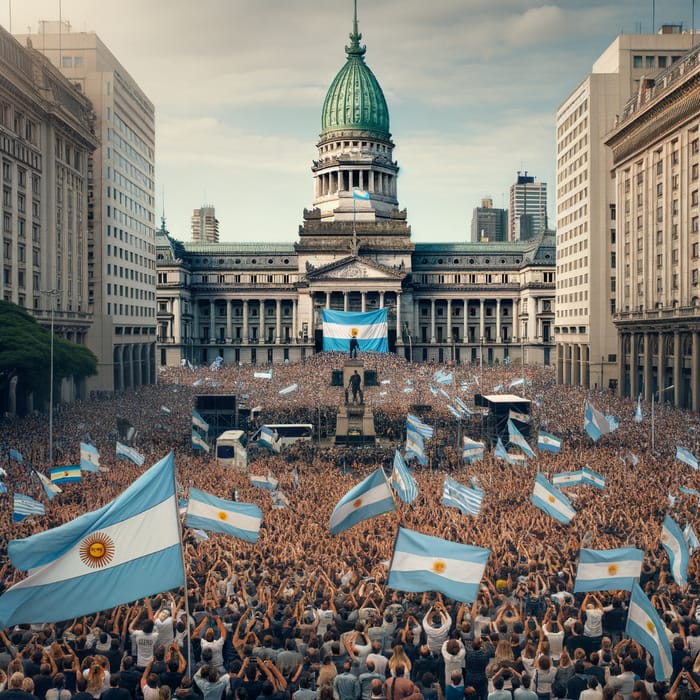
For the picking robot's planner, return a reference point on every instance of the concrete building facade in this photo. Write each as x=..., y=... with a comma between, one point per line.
x=205, y=225
x=527, y=213
x=489, y=223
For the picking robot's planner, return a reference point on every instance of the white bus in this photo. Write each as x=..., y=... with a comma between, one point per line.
x=288, y=433
x=231, y=449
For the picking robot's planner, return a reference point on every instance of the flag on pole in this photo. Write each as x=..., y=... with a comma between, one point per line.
x=65, y=475
x=101, y=559
x=16, y=455
x=198, y=442
x=638, y=411
x=595, y=423
x=369, y=328
x=414, y=445
x=588, y=476
x=357, y=193
x=50, y=488
x=89, y=458
x=472, y=450
x=402, y=481
x=687, y=457
x=552, y=501
x=515, y=437
x=131, y=453
x=454, y=412
x=564, y=479
x=675, y=545
x=208, y=512
x=691, y=538
x=198, y=421
x=425, y=430
x=425, y=563
x=455, y=495
x=367, y=499
x=500, y=452
x=645, y=626
x=25, y=507
x=608, y=569
x=548, y=442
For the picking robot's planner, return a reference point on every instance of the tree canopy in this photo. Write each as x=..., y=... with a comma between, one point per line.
x=25, y=351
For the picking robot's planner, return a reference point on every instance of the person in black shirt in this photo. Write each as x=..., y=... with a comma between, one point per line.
x=115, y=692
x=129, y=677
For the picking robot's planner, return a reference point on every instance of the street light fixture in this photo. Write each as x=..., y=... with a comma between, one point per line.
x=53, y=293
x=660, y=392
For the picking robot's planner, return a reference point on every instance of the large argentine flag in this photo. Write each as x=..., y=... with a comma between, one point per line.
x=425, y=563
x=100, y=559
x=368, y=499
x=644, y=626
x=608, y=569
x=208, y=512
x=673, y=541
x=564, y=479
x=370, y=328
x=89, y=458
x=551, y=500
x=548, y=442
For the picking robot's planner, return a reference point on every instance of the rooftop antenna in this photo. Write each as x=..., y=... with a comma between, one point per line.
x=653, y=15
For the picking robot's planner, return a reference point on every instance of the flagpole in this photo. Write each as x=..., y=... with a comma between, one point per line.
x=354, y=226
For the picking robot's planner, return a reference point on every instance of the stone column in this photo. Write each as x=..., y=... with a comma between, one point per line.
x=432, y=321
x=196, y=332
x=567, y=364
x=278, y=321
x=482, y=320
x=647, y=367
x=620, y=364
x=695, y=373
x=498, y=320
x=560, y=363
x=465, y=329
x=381, y=299
x=177, y=321
x=448, y=339
x=345, y=301
x=363, y=295
x=212, y=321
x=576, y=364
x=328, y=300
x=677, y=364
x=295, y=331
x=399, y=333
x=634, y=362
x=246, y=334
x=229, y=320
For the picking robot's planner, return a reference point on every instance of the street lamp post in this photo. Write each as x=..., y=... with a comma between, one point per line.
x=660, y=392
x=53, y=293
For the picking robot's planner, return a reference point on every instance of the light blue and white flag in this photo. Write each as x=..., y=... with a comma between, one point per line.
x=498, y=388
x=367, y=499
x=131, y=453
x=101, y=559
x=455, y=495
x=518, y=416
x=472, y=450
x=25, y=507
x=402, y=480
x=608, y=569
x=16, y=455
x=500, y=452
x=89, y=458
x=268, y=482
x=613, y=422
x=268, y=437
x=414, y=445
x=634, y=459
x=267, y=374
x=425, y=430
x=199, y=422
x=551, y=500
x=279, y=499
x=565, y=479
x=369, y=328
x=3, y=488
x=638, y=411
x=444, y=394
x=433, y=390
x=198, y=442
x=445, y=379
x=687, y=457
x=357, y=193
x=548, y=442
x=454, y=411
x=288, y=389
x=689, y=492
x=65, y=475
x=200, y=535
x=645, y=626
x=516, y=382
x=463, y=407
x=671, y=500
x=515, y=437
x=424, y=563
x=208, y=512
x=50, y=488
x=675, y=545
x=197, y=382
x=691, y=539
x=592, y=478
x=408, y=390
x=595, y=423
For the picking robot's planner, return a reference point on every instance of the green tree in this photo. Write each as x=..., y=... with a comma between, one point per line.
x=25, y=352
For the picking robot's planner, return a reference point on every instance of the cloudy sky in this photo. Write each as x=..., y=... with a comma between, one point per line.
x=472, y=88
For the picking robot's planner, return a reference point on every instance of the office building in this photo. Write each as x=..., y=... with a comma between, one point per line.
x=527, y=215
x=205, y=225
x=489, y=223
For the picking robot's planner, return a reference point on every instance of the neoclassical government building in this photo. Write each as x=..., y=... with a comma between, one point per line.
x=261, y=303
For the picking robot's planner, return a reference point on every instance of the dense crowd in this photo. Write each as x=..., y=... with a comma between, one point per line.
x=308, y=615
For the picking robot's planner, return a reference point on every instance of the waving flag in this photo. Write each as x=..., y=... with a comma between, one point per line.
x=130, y=453
x=638, y=411
x=548, y=442
x=685, y=456
x=368, y=499
x=463, y=407
x=516, y=382
x=199, y=422
x=369, y=328
x=288, y=389
x=675, y=545
x=101, y=559
x=595, y=423
x=268, y=482
x=608, y=569
x=516, y=438
x=498, y=388
x=425, y=563
x=50, y=488
x=268, y=437
x=472, y=450
x=445, y=379
x=208, y=512
x=402, y=481
x=433, y=390
x=414, y=445
x=551, y=500
x=263, y=375
x=644, y=626
x=198, y=442
x=592, y=478
x=568, y=478
x=425, y=430
x=89, y=458
x=691, y=538
x=500, y=452
x=65, y=475
x=357, y=193
x=518, y=416
x=16, y=455
x=25, y=507
x=467, y=500
x=454, y=412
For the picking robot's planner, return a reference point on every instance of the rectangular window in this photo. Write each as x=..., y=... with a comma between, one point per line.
x=637, y=62
x=662, y=61
x=649, y=61
x=66, y=61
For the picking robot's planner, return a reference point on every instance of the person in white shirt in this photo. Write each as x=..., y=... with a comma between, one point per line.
x=436, y=625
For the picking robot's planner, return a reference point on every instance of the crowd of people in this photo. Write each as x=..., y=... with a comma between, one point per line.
x=306, y=615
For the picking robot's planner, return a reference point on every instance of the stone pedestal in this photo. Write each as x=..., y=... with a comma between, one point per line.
x=355, y=424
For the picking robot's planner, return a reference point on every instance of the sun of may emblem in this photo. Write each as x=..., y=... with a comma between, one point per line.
x=551, y=499
x=354, y=332
x=439, y=566
x=612, y=570
x=357, y=502
x=223, y=515
x=97, y=550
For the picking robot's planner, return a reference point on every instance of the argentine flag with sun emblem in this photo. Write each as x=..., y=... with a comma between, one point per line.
x=426, y=563
x=128, y=549
x=207, y=512
x=368, y=499
x=551, y=500
x=370, y=328
x=608, y=569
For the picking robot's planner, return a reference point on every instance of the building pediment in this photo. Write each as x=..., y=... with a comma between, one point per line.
x=355, y=268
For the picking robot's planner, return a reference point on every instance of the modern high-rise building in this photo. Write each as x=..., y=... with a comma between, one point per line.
x=527, y=215
x=205, y=225
x=587, y=222
x=46, y=144
x=489, y=223
x=655, y=148
x=120, y=250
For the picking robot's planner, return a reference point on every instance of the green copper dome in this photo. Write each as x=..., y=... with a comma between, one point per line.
x=354, y=100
